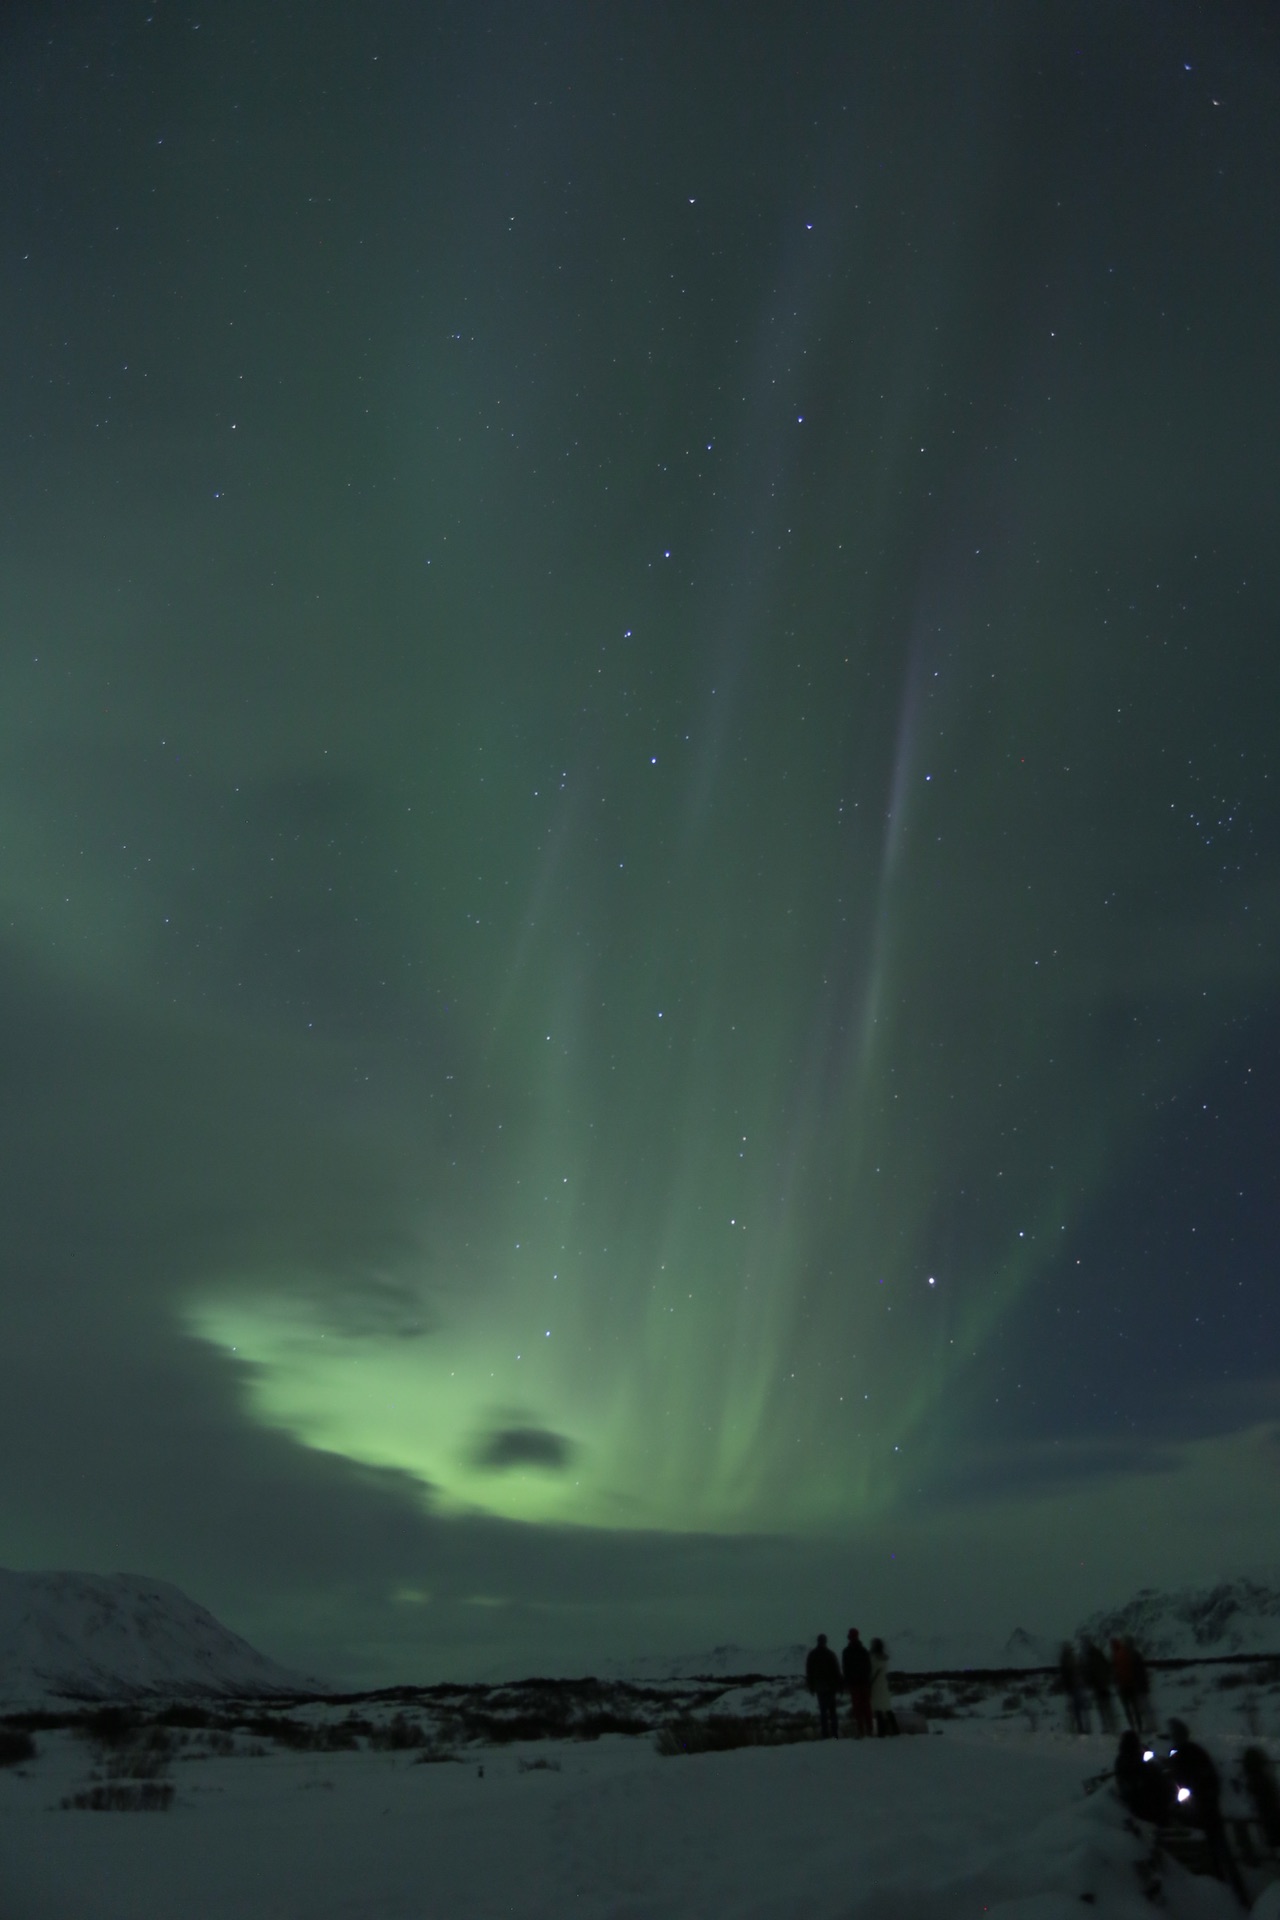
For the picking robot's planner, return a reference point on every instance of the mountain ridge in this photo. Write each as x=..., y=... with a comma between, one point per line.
x=94, y=1636
x=86, y=1637
x=1239, y=1616
x=1233, y=1616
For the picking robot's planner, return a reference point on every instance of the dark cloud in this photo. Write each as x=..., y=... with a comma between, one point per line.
x=508, y=1447
x=987, y=1472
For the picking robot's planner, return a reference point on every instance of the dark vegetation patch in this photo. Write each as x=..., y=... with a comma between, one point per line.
x=185, y=1713
x=724, y=1732
x=306, y=1736
x=111, y=1726
x=1260, y=1673
x=937, y=1705
x=16, y=1745
x=143, y=1796
x=399, y=1735
x=136, y=1740
x=147, y=1758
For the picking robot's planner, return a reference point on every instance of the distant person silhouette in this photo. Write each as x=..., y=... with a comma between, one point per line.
x=1141, y=1686
x=881, y=1699
x=822, y=1677
x=1260, y=1779
x=1069, y=1679
x=1125, y=1674
x=1198, y=1800
x=856, y=1664
x=1097, y=1673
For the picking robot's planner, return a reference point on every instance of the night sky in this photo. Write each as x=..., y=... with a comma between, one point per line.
x=639, y=814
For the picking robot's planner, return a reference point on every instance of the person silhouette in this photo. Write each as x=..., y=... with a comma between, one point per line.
x=855, y=1663
x=1198, y=1799
x=822, y=1677
x=881, y=1699
x=1142, y=1782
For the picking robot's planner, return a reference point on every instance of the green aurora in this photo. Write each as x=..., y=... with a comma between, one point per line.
x=641, y=862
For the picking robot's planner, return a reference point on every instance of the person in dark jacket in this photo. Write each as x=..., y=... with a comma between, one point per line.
x=822, y=1677
x=1071, y=1682
x=1141, y=1781
x=856, y=1663
x=1260, y=1779
x=1198, y=1799
x=1124, y=1673
x=1097, y=1673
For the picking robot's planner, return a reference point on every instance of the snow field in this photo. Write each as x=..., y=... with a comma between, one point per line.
x=982, y=1819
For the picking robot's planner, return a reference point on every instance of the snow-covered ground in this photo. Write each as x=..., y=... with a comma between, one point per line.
x=419, y=1802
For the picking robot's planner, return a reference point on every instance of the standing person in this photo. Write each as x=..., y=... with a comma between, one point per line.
x=822, y=1677
x=1123, y=1675
x=881, y=1700
x=1070, y=1682
x=1141, y=1686
x=1199, y=1800
x=856, y=1662
x=1097, y=1671
x=1260, y=1779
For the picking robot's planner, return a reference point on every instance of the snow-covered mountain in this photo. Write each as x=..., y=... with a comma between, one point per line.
x=92, y=1636
x=910, y=1652
x=1236, y=1616
x=943, y=1652
x=728, y=1659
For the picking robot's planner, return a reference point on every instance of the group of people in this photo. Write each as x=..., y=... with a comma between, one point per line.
x=862, y=1673
x=1089, y=1671
x=1182, y=1787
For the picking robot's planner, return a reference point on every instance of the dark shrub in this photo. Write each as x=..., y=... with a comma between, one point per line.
x=146, y=1758
x=503, y=1730
x=180, y=1715
x=303, y=1736
x=722, y=1733
x=143, y=1796
x=398, y=1735
x=112, y=1726
x=592, y=1725
x=16, y=1745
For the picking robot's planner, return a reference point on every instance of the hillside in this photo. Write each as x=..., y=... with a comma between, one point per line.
x=90, y=1636
x=1236, y=1616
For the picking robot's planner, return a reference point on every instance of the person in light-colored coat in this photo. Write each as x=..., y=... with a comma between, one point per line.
x=881, y=1700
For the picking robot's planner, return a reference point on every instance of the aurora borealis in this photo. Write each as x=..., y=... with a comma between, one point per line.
x=641, y=859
